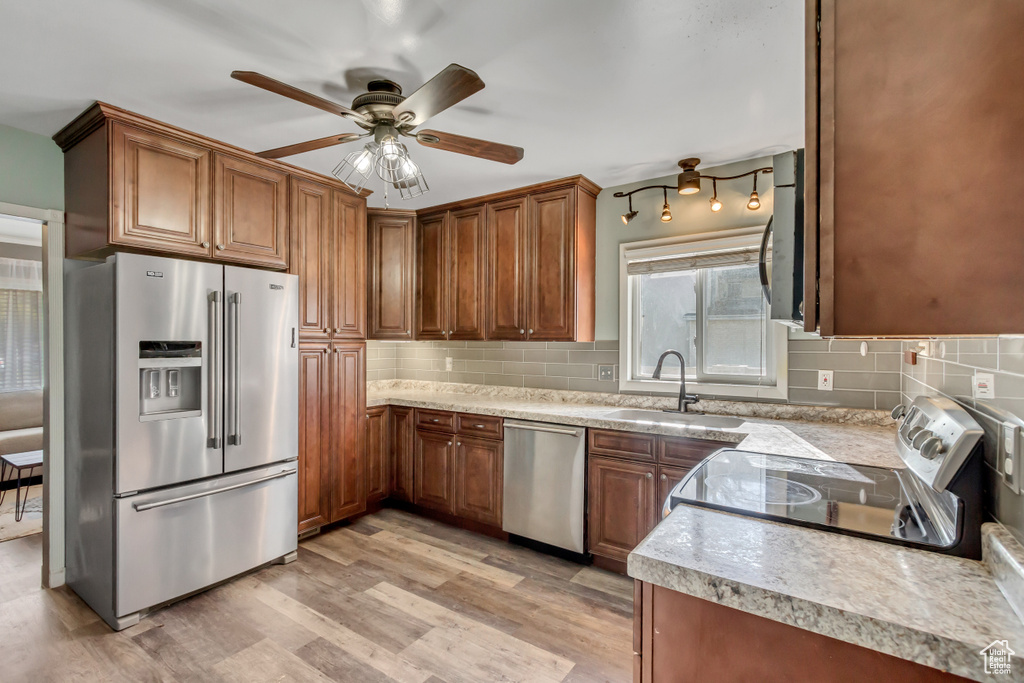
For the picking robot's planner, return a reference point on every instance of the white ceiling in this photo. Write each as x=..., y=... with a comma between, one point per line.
x=618, y=90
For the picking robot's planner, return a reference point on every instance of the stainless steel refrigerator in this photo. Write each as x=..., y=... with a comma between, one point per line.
x=181, y=430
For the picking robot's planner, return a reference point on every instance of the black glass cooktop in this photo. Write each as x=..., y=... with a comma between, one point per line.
x=873, y=502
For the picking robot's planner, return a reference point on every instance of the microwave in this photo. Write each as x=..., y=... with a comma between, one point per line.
x=781, y=263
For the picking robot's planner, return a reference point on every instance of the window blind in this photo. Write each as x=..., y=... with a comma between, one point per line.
x=724, y=257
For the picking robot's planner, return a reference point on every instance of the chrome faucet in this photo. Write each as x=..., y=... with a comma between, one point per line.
x=684, y=399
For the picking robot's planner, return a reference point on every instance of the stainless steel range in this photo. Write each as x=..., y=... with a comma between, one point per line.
x=935, y=503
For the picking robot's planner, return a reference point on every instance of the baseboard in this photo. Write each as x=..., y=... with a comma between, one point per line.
x=56, y=579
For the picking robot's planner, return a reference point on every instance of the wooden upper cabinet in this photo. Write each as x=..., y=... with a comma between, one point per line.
x=310, y=255
x=506, y=269
x=392, y=253
x=432, y=271
x=348, y=430
x=552, y=266
x=250, y=213
x=914, y=138
x=467, y=282
x=315, y=470
x=348, y=260
x=160, y=192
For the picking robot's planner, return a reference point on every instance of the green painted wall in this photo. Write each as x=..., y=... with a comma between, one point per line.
x=691, y=214
x=31, y=170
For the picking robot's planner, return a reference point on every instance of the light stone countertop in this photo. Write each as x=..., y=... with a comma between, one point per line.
x=922, y=606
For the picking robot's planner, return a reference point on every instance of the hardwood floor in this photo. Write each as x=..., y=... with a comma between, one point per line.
x=392, y=597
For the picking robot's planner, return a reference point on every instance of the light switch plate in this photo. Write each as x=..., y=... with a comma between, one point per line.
x=984, y=385
x=825, y=380
x=448, y=364
x=606, y=372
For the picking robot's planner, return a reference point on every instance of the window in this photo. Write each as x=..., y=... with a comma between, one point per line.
x=702, y=297
x=21, y=324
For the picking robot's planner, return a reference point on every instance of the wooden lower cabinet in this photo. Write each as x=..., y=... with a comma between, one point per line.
x=433, y=478
x=314, y=435
x=621, y=505
x=668, y=477
x=479, y=468
x=378, y=479
x=402, y=440
x=678, y=638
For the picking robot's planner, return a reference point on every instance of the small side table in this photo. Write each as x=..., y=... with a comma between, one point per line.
x=28, y=460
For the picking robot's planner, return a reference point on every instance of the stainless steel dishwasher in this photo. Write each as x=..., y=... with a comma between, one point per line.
x=544, y=483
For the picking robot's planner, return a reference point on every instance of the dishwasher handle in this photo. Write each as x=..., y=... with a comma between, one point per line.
x=535, y=428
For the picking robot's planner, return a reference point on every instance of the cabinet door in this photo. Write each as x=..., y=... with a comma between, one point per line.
x=402, y=449
x=250, y=213
x=348, y=433
x=478, y=479
x=160, y=190
x=434, y=478
x=467, y=263
x=348, y=275
x=310, y=255
x=432, y=266
x=621, y=506
x=506, y=270
x=551, y=265
x=936, y=250
x=377, y=475
x=314, y=435
x=668, y=477
x=392, y=252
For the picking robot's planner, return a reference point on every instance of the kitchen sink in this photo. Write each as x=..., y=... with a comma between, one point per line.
x=695, y=419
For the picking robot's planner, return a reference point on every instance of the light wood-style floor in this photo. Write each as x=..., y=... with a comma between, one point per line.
x=392, y=597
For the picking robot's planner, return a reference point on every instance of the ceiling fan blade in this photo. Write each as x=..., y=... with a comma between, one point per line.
x=308, y=146
x=452, y=85
x=484, y=149
x=291, y=92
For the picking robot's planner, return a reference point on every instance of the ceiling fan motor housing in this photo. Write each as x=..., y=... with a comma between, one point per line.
x=382, y=97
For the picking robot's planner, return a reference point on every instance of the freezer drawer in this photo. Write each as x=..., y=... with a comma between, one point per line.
x=178, y=540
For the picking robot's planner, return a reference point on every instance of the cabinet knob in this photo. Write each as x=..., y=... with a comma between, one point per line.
x=664, y=478
x=449, y=443
x=458, y=443
x=220, y=247
x=522, y=331
x=650, y=475
x=531, y=331
x=206, y=245
x=337, y=330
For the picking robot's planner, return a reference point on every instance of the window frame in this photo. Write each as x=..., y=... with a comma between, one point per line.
x=774, y=387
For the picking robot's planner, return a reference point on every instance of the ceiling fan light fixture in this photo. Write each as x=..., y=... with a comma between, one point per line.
x=413, y=185
x=356, y=168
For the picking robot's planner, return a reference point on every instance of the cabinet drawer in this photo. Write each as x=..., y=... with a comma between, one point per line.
x=436, y=420
x=479, y=425
x=622, y=444
x=687, y=453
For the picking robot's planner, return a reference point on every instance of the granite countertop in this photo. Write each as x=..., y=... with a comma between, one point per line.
x=921, y=606
x=868, y=444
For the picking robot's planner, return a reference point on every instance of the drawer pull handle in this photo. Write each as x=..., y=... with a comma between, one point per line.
x=479, y=426
x=434, y=419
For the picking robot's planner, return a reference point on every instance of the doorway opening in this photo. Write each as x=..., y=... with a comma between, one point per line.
x=22, y=376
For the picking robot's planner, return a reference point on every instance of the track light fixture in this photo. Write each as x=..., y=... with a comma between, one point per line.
x=716, y=204
x=629, y=215
x=688, y=182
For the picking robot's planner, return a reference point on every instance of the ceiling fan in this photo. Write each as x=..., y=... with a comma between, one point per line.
x=387, y=116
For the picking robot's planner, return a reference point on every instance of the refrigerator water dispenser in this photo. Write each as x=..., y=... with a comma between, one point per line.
x=170, y=380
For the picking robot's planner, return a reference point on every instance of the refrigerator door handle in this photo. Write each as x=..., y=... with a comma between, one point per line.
x=235, y=437
x=142, y=507
x=216, y=392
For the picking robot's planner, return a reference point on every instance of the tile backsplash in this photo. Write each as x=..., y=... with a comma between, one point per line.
x=868, y=381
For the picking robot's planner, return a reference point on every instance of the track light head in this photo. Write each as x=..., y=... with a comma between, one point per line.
x=627, y=217
x=754, y=203
x=666, y=215
x=689, y=179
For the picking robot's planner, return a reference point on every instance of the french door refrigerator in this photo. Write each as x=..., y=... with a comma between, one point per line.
x=181, y=428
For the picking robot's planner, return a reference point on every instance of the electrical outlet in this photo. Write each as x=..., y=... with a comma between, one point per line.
x=984, y=385
x=825, y=378
x=1009, y=455
x=606, y=372
x=448, y=364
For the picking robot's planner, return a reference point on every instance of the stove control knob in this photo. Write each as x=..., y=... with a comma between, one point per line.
x=899, y=411
x=931, y=447
x=918, y=437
